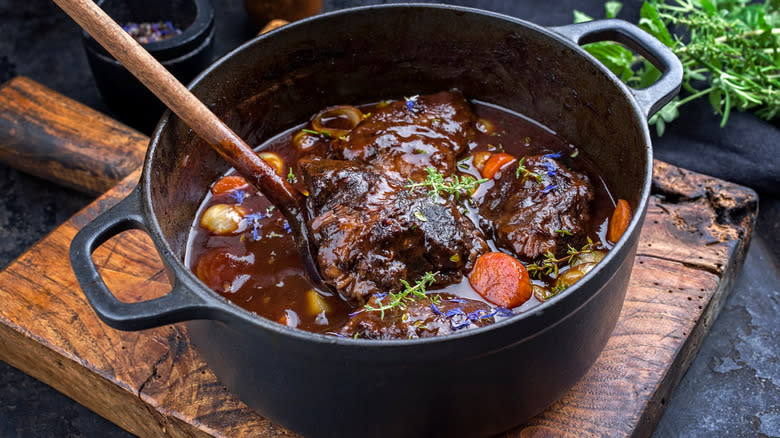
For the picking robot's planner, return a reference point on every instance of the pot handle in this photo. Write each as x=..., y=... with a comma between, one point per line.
x=180, y=304
x=654, y=97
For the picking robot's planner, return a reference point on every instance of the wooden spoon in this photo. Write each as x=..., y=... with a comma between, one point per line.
x=205, y=123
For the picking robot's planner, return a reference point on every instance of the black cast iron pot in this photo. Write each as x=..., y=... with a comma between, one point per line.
x=472, y=383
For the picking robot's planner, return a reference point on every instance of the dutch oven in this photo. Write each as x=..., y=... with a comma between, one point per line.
x=471, y=383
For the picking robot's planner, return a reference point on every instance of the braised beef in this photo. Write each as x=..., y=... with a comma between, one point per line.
x=420, y=318
x=406, y=136
x=371, y=231
x=546, y=208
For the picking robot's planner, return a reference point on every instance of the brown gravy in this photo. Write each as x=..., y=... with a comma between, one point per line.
x=257, y=266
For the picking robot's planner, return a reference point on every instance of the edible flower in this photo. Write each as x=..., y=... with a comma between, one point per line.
x=254, y=220
x=410, y=101
x=238, y=196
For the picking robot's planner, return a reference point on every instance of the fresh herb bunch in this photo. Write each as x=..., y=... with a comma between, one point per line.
x=729, y=51
x=453, y=185
x=409, y=292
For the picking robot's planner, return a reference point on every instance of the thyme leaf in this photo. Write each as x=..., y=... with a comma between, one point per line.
x=549, y=264
x=525, y=173
x=291, y=177
x=453, y=185
x=408, y=292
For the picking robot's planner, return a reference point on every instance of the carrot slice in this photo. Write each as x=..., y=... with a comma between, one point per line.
x=619, y=220
x=501, y=279
x=494, y=163
x=228, y=183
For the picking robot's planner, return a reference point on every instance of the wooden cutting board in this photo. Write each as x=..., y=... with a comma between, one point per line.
x=153, y=383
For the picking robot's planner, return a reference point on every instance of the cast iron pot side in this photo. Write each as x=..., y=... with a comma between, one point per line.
x=472, y=383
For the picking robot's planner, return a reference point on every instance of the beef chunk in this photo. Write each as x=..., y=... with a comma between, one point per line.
x=420, y=318
x=527, y=215
x=406, y=136
x=372, y=232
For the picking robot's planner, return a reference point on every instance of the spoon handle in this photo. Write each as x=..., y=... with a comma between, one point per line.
x=181, y=101
x=200, y=119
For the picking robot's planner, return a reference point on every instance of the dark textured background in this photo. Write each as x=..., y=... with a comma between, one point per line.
x=733, y=386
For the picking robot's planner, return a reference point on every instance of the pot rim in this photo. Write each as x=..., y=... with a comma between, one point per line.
x=221, y=304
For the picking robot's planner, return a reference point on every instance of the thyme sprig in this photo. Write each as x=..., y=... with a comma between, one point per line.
x=453, y=185
x=525, y=173
x=730, y=46
x=408, y=293
x=315, y=132
x=549, y=264
x=291, y=178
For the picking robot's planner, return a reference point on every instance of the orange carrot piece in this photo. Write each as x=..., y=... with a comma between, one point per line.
x=228, y=183
x=494, y=163
x=501, y=279
x=619, y=220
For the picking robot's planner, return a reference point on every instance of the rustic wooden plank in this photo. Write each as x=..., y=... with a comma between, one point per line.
x=154, y=383
x=59, y=139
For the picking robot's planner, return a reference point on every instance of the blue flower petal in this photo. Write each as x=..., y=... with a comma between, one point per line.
x=453, y=312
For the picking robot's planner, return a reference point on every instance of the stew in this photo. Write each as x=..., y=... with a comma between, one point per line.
x=431, y=214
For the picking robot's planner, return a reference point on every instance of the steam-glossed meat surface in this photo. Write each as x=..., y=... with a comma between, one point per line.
x=418, y=318
x=529, y=217
x=371, y=232
x=406, y=136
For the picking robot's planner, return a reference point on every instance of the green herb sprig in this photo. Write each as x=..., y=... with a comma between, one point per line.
x=525, y=173
x=549, y=264
x=409, y=292
x=730, y=46
x=315, y=132
x=453, y=185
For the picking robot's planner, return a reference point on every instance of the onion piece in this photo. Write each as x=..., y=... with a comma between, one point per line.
x=274, y=160
x=304, y=141
x=347, y=113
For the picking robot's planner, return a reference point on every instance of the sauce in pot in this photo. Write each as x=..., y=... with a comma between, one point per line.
x=528, y=202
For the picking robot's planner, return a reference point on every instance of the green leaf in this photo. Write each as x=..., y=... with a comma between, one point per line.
x=581, y=17
x=708, y=7
x=615, y=57
x=660, y=126
x=696, y=76
x=670, y=111
x=613, y=8
x=716, y=98
x=648, y=74
x=652, y=23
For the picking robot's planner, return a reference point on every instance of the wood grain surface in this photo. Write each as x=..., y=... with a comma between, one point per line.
x=154, y=383
x=56, y=138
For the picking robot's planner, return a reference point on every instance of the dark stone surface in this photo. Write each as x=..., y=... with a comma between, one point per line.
x=733, y=386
